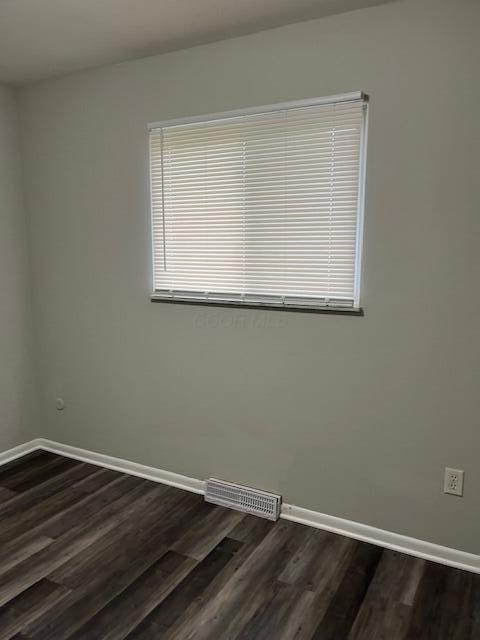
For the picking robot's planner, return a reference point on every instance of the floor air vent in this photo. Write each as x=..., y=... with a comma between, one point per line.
x=235, y=496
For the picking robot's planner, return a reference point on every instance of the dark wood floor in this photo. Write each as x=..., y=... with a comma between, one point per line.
x=91, y=554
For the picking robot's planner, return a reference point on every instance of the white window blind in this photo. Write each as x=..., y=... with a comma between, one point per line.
x=260, y=208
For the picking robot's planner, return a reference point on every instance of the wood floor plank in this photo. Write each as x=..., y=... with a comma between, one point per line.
x=34, y=496
x=343, y=609
x=87, y=600
x=91, y=504
x=30, y=461
x=285, y=605
x=90, y=575
x=334, y=567
x=125, y=612
x=25, y=477
x=92, y=554
x=208, y=532
x=78, y=537
x=306, y=568
x=49, y=470
x=454, y=621
x=427, y=603
x=27, y=606
x=6, y=494
x=154, y=506
x=241, y=596
x=386, y=608
x=416, y=567
x=442, y=609
x=96, y=479
x=48, y=518
x=251, y=529
x=473, y=607
x=172, y=608
x=38, y=514
x=22, y=551
x=293, y=619
x=213, y=589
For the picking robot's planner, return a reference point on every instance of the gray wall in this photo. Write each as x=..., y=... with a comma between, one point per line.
x=354, y=417
x=17, y=390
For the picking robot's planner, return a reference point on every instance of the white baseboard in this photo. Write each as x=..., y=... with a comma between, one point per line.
x=388, y=539
x=18, y=452
x=125, y=466
x=381, y=537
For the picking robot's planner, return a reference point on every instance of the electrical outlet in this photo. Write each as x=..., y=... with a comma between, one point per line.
x=453, y=481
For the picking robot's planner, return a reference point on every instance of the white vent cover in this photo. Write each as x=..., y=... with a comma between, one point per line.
x=246, y=499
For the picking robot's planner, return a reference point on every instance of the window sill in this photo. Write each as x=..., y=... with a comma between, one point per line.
x=341, y=311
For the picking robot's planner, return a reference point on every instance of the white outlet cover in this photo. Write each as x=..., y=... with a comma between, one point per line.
x=453, y=482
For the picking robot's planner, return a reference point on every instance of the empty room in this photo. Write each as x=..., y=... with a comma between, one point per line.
x=239, y=348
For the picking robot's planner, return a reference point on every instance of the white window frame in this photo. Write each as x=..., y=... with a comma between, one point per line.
x=233, y=300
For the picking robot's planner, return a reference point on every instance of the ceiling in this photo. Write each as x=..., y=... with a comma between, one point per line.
x=45, y=38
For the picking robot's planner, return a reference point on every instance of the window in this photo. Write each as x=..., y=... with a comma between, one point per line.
x=262, y=207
